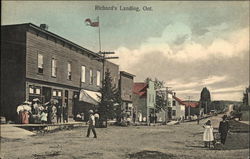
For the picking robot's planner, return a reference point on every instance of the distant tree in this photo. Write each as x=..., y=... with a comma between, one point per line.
x=107, y=105
x=118, y=105
x=245, y=96
x=205, y=99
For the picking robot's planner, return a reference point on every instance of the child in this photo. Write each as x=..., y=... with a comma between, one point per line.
x=208, y=136
x=44, y=117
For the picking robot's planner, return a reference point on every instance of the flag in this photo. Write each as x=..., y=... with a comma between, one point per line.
x=90, y=23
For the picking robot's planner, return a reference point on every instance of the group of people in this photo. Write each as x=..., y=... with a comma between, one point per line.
x=35, y=112
x=208, y=136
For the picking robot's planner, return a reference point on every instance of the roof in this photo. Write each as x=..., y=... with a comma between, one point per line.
x=179, y=100
x=191, y=104
x=37, y=28
x=126, y=73
x=140, y=88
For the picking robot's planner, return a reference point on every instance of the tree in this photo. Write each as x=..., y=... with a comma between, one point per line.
x=245, y=96
x=205, y=99
x=106, y=107
x=118, y=105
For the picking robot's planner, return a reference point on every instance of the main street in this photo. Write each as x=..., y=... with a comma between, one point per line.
x=176, y=141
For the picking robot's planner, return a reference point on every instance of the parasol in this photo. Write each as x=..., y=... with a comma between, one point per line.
x=36, y=100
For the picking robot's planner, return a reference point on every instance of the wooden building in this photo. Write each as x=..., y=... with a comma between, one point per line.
x=36, y=63
x=126, y=83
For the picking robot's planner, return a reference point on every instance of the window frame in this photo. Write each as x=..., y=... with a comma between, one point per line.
x=83, y=80
x=40, y=64
x=69, y=71
x=54, y=67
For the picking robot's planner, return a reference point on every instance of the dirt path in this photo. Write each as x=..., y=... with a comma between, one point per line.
x=182, y=141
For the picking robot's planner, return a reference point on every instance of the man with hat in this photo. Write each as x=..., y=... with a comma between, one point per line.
x=91, y=124
x=223, y=129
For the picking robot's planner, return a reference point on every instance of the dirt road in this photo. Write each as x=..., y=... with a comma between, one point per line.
x=182, y=141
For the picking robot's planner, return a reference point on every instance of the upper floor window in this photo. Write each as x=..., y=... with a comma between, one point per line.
x=98, y=78
x=40, y=63
x=69, y=70
x=83, y=72
x=54, y=67
x=174, y=103
x=91, y=78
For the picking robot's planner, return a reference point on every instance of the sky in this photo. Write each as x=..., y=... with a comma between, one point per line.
x=187, y=44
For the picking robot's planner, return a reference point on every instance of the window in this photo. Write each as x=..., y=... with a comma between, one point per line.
x=98, y=78
x=69, y=71
x=174, y=103
x=91, y=79
x=38, y=91
x=34, y=89
x=83, y=74
x=40, y=63
x=54, y=67
x=31, y=90
x=57, y=93
x=174, y=112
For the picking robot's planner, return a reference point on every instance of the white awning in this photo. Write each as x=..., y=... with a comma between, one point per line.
x=89, y=96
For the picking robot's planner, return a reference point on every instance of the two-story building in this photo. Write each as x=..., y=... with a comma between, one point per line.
x=36, y=63
x=178, y=108
x=144, y=96
x=126, y=82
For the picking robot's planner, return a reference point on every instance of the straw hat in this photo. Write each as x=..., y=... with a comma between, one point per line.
x=91, y=111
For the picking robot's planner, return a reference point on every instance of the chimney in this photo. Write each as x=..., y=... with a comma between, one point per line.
x=44, y=26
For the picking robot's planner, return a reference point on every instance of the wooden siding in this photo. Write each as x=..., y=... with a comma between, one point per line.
x=51, y=49
x=126, y=86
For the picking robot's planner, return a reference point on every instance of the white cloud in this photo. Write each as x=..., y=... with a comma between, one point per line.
x=213, y=79
x=233, y=45
x=239, y=88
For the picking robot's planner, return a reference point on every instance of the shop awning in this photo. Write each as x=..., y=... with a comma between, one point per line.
x=89, y=96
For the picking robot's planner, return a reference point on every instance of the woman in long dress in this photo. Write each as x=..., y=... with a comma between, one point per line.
x=208, y=136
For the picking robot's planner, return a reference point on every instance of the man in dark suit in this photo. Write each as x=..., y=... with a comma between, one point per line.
x=223, y=129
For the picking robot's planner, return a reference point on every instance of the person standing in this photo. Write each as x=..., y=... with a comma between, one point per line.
x=223, y=129
x=91, y=124
x=59, y=114
x=65, y=113
x=198, y=119
x=208, y=136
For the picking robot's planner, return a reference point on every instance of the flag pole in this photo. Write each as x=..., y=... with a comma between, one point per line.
x=100, y=50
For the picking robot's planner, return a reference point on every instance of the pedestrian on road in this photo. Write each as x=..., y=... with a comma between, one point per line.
x=91, y=124
x=208, y=136
x=223, y=129
x=198, y=119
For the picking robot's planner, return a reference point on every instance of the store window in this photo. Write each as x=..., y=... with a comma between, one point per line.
x=69, y=70
x=98, y=78
x=40, y=63
x=174, y=103
x=36, y=90
x=91, y=78
x=174, y=112
x=83, y=73
x=54, y=67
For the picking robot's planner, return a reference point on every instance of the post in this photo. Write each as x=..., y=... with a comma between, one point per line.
x=166, y=109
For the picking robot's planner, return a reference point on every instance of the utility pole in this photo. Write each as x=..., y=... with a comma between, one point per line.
x=166, y=109
x=189, y=111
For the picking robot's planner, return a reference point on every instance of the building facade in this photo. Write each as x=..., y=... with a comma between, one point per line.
x=178, y=108
x=144, y=96
x=126, y=82
x=37, y=63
